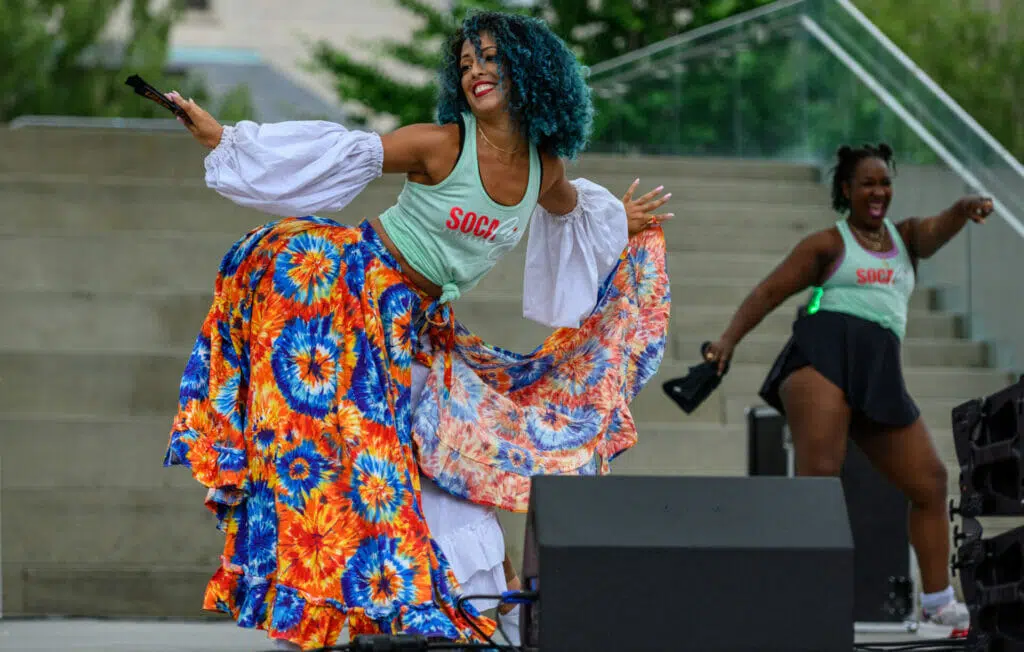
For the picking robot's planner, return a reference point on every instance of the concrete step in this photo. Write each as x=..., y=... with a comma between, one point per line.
x=689, y=316
x=113, y=452
x=52, y=207
x=75, y=321
x=84, y=383
x=735, y=213
x=757, y=349
x=158, y=322
x=48, y=203
x=150, y=262
x=709, y=293
x=96, y=634
x=690, y=446
x=100, y=152
x=953, y=383
x=936, y=412
x=89, y=210
x=109, y=590
x=709, y=167
x=497, y=317
x=121, y=262
x=116, y=152
x=93, y=447
x=728, y=408
x=180, y=263
x=727, y=239
x=138, y=527
x=126, y=384
x=136, y=442
x=92, y=495
x=727, y=405
x=778, y=195
x=695, y=448
x=703, y=188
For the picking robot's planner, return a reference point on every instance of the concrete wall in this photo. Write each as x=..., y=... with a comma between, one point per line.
x=978, y=273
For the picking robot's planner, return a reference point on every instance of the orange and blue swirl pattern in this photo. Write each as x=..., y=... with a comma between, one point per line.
x=562, y=409
x=294, y=412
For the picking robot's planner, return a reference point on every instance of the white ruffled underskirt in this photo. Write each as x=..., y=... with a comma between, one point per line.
x=468, y=534
x=470, y=537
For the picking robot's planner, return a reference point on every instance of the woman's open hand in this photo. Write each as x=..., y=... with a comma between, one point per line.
x=640, y=211
x=204, y=127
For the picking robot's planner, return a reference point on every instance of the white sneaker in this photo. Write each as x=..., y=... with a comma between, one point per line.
x=950, y=621
x=510, y=626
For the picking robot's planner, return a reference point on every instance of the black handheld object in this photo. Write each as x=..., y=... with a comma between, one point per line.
x=147, y=91
x=692, y=389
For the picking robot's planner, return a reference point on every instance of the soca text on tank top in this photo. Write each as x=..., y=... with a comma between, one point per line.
x=870, y=285
x=453, y=233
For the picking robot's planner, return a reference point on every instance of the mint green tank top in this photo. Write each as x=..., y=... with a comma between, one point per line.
x=870, y=285
x=453, y=233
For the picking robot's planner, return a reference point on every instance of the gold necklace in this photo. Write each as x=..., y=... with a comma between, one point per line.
x=488, y=141
x=875, y=240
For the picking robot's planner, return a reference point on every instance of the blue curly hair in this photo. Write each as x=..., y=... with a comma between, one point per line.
x=549, y=99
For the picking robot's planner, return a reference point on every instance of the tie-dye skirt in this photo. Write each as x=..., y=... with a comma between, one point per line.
x=294, y=412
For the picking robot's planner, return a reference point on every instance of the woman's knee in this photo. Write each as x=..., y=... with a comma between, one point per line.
x=930, y=486
x=826, y=465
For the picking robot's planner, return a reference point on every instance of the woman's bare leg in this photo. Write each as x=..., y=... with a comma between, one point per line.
x=819, y=420
x=908, y=458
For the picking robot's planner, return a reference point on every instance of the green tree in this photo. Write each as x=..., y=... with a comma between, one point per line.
x=55, y=60
x=409, y=99
x=776, y=96
x=758, y=90
x=596, y=32
x=976, y=55
x=605, y=30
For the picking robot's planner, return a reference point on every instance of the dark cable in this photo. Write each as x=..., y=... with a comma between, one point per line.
x=468, y=646
x=517, y=597
x=513, y=597
x=460, y=607
x=408, y=643
x=415, y=642
x=501, y=628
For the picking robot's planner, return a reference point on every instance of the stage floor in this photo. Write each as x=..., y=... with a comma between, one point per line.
x=74, y=635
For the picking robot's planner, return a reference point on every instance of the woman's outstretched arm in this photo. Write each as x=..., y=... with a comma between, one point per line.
x=303, y=167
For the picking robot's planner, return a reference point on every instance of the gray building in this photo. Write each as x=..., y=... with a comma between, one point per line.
x=265, y=45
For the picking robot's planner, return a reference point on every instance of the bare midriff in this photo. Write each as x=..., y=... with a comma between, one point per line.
x=414, y=277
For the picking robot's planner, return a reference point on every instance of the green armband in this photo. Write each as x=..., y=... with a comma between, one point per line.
x=815, y=302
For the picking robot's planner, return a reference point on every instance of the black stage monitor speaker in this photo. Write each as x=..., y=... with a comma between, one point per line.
x=883, y=588
x=688, y=563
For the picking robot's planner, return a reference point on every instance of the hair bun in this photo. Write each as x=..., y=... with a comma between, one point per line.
x=844, y=152
x=885, y=150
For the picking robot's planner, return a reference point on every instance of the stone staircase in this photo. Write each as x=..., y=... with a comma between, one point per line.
x=109, y=243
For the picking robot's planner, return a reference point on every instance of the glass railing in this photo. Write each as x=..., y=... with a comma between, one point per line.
x=757, y=86
x=794, y=80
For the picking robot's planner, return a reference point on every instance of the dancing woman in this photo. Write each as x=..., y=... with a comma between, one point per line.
x=331, y=372
x=840, y=373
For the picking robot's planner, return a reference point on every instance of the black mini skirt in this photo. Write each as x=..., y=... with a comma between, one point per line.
x=858, y=356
